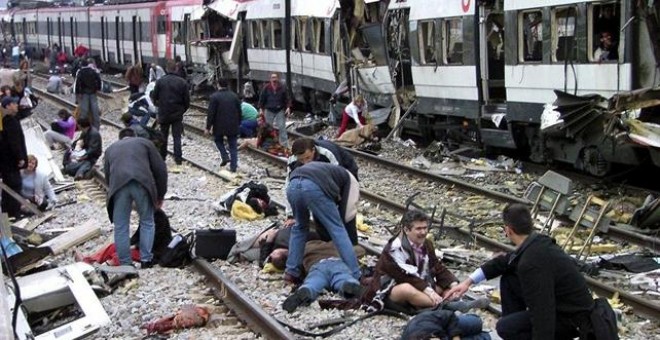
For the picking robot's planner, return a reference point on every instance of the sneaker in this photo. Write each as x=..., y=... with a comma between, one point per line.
x=302, y=296
x=224, y=162
x=146, y=264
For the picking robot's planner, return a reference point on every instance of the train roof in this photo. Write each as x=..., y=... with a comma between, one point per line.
x=512, y=5
x=264, y=9
x=226, y=8
x=430, y=9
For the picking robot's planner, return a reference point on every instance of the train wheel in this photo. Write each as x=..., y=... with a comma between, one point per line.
x=593, y=162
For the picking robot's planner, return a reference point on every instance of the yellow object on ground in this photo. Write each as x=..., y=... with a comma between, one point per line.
x=361, y=226
x=244, y=212
x=269, y=268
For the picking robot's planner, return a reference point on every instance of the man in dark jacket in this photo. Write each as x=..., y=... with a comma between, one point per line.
x=543, y=294
x=171, y=97
x=224, y=119
x=135, y=173
x=329, y=192
x=305, y=150
x=13, y=155
x=275, y=106
x=93, y=146
x=88, y=82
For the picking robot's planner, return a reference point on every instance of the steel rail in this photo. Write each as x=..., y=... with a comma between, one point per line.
x=245, y=308
x=641, y=306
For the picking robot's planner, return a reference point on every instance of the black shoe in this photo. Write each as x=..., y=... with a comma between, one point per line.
x=352, y=290
x=146, y=264
x=302, y=296
x=224, y=162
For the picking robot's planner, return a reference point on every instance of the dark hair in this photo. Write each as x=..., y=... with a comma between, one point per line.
x=127, y=132
x=84, y=122
x=84, y=63
x=413, y=215
x=301, y=145
x=222, y=83
x=177, y=58
x=170, y=66
x=126, y=118
x=278, y=262
x=63, y=113
x=517, y=217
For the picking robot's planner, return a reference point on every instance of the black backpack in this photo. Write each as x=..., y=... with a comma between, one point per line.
x=177, y=254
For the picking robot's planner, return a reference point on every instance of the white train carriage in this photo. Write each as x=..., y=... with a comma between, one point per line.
x=315, y=60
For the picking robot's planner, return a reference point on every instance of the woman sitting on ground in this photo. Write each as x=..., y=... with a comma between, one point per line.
x=61, y=131
x=353, y=111
x=36, y=187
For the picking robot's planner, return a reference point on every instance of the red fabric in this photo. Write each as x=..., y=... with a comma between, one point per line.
x=80, y=51
x=109, y=255
x=345, y=119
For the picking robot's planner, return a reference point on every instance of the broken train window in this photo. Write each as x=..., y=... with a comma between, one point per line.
x=530, y=36
x=453, y=41
x=319, y=35
x=603, y=22
x=428, y=46
x=264, y=34
x=254, y=34
x=563, y=33
x=277, y=34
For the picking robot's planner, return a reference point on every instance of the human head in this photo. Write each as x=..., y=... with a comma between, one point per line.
x=84, y=63
x=415, y=225
x=304, y=149
x=278, y=257
x=359, y=100
x=6, y=90
x=63, y=114
x=517, y=218
x=10, y=104
x=177, y=58
x=127, y=132
x=32, y=163
x=126, y=118
x=84, y=123
x=222, y=83
x=606, y=39
x=170, y=67
x=274, y=78
x=80, y=144
x=18, y=84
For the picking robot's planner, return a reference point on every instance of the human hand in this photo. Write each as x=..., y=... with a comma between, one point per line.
x=435, y=298
x=288, y=111
x=289, y=222
x=21, y=163
x=457, y=291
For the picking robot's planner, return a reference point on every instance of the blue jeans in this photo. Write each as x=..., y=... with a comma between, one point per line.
x=233, y=151
x=470, y=326
x=78, y=169
x=89, y=104
x=278, y=121
x=328, y=274
x=144, y=115
x=248, y=128
x=305, y=196
x=123, y=199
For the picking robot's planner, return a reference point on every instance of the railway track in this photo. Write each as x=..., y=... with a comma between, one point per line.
x=641, y=306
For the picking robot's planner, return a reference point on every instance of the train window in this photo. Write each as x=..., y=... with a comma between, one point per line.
x=277, y=34
x=162, y=24
x=265, y=34
x=428, y=36
x=254, y=34
x=295, y=34
x=453, y=39
x=308, y=35
x=320, y=36
x=563, y=34
x=603, y=31
x=176, y=32
x=530, y=36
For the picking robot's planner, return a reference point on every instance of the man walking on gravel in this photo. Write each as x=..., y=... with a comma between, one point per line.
x=88, y=82
x=275, y=106
x=224, y=119
x=171, y=97
x=135, y=174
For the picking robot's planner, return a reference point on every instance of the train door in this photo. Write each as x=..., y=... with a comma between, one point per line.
x=49, y=31
x=59, y=34
x=104, y=33
x=117, y=42
x=24, y=29
x=491, y=58
x=73, y=30
x=135, y=40
x=184, y=33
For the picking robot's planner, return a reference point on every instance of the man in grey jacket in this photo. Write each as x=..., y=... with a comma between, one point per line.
x=135, y=173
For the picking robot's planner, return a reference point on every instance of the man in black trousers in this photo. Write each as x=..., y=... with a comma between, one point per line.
x=543, y=294
x=224, y=119
x=13, y=155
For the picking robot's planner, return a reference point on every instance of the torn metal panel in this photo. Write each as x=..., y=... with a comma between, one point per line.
x=80, y=234
x=637, y=99
x=236, y=43
x=57, y=288
x=226, y=8
x=36, y=145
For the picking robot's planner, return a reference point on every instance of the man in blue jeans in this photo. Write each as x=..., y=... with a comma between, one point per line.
x=325, y=270
x=330, y=193
x=275, y=106
x=135, y=173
